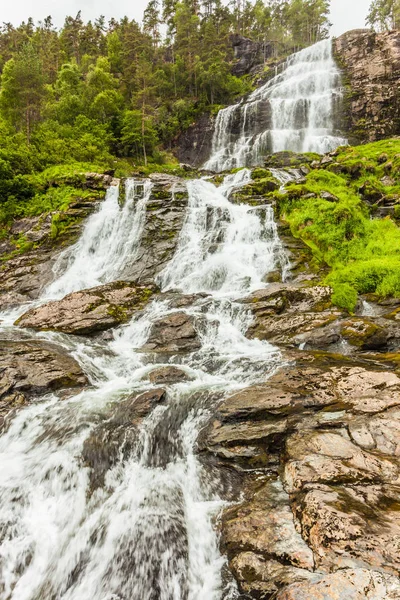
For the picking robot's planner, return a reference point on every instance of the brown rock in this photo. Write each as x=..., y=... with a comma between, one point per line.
x=173, y=333
x=168, y=375
x=372, y=64
x=31, y=369
x=349, y=584
x=89, y=311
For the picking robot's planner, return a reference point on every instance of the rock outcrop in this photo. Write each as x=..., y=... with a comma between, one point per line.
x=371, y=64
x=32, y=368
x=194, y=144
x=27, y=270
x=249, y=54
x=89, y=311
x=165, y=213
x=324, y=516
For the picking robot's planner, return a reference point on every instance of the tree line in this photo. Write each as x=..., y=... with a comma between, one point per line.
x=92, y=90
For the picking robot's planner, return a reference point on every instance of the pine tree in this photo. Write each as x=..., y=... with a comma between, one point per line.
x=22, y=90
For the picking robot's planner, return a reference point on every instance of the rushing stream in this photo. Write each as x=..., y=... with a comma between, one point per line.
x=148, y=533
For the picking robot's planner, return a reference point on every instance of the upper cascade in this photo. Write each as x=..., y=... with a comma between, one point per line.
x=293, y=111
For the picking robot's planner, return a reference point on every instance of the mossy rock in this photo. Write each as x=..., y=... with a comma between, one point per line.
x=260, y=173
x=364, y=334
x=290, y=159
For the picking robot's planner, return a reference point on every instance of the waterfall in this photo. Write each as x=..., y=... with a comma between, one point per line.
x=107, y=245
x=147, y=533
x=293, y=111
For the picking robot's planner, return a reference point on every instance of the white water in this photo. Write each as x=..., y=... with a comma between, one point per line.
x=293, y=111
x=148, y=533
x=108, y=243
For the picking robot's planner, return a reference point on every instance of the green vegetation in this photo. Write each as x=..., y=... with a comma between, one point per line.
x=117, y=95
x=384, y=14
x=332, y=212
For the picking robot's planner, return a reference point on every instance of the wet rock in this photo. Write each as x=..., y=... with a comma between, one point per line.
x=89, y=311
x=24, y=277
x=114, y=439
x=174, y=333
x=194, y=145
x=347, y=584
x=33, y=368
x=165, y=214
x=168, y=375
x=249, y=54
x=364, y=333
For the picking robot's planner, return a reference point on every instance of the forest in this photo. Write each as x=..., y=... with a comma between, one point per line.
x=119, y=94
x=106, y=93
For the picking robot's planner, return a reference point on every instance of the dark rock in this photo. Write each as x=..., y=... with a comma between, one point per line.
x=194, y=145
x=33, y=368
x=89, y=311
x=173, y=333
x=168, y=375
x=372, y=65
x=165, y=214
x=248, y=54
x=114, y=439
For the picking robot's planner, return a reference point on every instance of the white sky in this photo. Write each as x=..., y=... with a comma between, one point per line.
x=346, y=14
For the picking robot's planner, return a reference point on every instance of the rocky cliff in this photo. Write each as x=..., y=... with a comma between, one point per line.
x=371, y=65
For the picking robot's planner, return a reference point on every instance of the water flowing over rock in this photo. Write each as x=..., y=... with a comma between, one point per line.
x=293, y=111
x=130, y=506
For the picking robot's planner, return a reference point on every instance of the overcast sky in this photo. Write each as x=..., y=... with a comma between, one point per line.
x=346, y=14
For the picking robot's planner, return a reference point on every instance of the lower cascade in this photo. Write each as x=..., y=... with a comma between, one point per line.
x=76, y=525
x=293, y=111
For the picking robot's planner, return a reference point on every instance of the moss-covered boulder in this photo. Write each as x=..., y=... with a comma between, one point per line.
x=364, y=334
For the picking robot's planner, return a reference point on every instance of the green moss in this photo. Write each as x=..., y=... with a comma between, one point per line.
x=363, y=254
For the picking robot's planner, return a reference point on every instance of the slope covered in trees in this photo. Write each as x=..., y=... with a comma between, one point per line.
x=102, y=92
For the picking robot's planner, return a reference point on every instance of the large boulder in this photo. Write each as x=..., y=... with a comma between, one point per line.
x=327, y=428
x=33, y=368
x=89, y=311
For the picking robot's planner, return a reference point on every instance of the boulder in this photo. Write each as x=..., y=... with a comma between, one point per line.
x=174, y=333
x=168, y=375
x=89, y=311
x=33, y=368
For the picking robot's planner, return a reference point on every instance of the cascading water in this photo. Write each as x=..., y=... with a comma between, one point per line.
x=147, y=533
x=107, y=246
x=293, y=111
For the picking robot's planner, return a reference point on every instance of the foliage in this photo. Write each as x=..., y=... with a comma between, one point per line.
x=363, y=252
x=384, y=14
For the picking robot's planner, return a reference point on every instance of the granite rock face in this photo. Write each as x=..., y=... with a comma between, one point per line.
x=371, y=64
